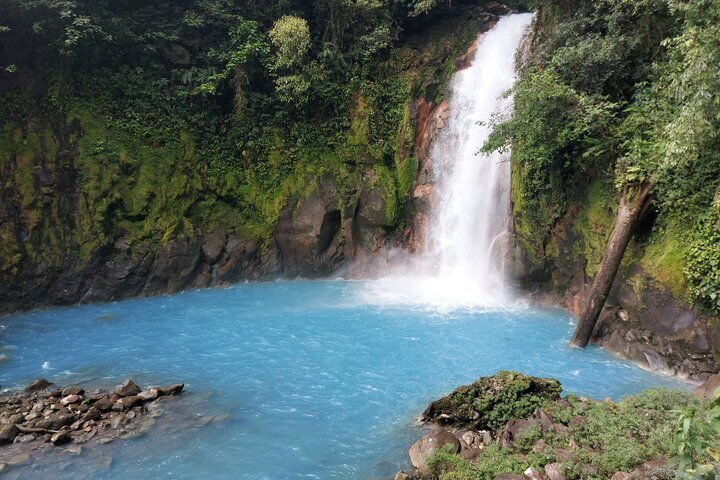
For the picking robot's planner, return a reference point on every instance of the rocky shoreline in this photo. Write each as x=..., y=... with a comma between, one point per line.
x=529, y=432
x=44, y=416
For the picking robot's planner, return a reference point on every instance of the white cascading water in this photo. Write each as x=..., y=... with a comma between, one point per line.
x=467, y=237
x=468, y=234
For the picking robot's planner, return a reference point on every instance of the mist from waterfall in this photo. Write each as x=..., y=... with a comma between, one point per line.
x=468, y=232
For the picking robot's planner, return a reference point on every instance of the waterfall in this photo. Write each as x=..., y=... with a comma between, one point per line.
x=468, y=232
x=467, y=236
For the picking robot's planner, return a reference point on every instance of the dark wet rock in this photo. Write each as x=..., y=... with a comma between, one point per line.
x=127, y=388
x=421, y=451
x=38, y=385
x=60, y=438
x=8, y=432
x=490, y=402
x=57, y=421
x=170, y=390
x=131, y=401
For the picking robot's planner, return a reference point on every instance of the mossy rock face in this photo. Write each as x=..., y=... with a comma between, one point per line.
x=490, y=402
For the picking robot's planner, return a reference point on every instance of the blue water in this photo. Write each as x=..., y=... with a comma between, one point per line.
x=317, y=382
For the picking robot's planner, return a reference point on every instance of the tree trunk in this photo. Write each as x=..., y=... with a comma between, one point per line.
x=628, y=215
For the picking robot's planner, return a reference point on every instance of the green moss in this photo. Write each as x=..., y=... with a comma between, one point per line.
x=664, y=258
x=594, y=222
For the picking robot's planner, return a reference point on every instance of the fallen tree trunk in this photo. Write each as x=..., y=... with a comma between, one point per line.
x=628, y=215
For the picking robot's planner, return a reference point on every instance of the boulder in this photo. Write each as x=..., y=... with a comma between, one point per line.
x=707, y=389
x=212, y=246
x=37, y=385
x=534, y=474
x=8, y=432
x=148, y=395
x=427, y=445
x=554, y=471
x=490, y=402
x=127, y=388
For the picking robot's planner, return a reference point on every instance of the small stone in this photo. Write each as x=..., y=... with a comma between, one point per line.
x=37, y=385
x=76, y=425
x=118, y=406
x=127, y=388
x=70, y=399
x=131, y=414
x=31, y=416
x=60, y=438
x=72, y=391
x=38, y=407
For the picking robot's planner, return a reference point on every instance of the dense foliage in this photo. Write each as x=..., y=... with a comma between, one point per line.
x=627, y=90
x=181, y=115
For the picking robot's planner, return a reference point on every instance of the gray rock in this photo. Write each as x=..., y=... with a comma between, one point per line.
x=554, y=471
x=129, y=402
x=148, y=395
x=127, y=388
x=212, y=247
x=92, y=414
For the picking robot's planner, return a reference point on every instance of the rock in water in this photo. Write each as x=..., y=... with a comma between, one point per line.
x=127, y=389
x=37, y=385
x=8, y=433
x=490, y=402
x=170, y=389
x=427, y=445
x=104, y=404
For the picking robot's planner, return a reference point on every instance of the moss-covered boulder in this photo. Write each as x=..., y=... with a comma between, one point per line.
x=490, y=402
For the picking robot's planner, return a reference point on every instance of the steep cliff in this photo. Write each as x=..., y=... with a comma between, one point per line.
x=111, y=188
